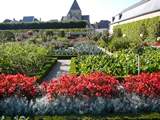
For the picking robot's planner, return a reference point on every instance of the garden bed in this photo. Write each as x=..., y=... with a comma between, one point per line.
x=92, y=94
x=120, y=64
x=24, y=58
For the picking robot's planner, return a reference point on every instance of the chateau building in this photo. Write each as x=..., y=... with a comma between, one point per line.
x=75, y=14
x=139, y=11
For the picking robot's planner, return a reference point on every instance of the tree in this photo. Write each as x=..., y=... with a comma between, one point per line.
x=7, y=21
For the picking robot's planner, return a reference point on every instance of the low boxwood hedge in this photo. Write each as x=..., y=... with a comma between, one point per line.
x=145, y=116
x=64, y=57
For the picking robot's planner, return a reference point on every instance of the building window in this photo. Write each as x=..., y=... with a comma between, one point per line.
x=120, y=16
x=113, y=18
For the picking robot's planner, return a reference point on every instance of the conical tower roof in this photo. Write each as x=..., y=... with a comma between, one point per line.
x=75, y=6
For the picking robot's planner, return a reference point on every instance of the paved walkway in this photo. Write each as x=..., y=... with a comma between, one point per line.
x=61, y=67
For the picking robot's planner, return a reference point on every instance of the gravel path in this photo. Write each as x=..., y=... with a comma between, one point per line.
x=61, y=67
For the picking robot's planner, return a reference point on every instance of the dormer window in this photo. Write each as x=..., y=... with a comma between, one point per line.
x=113, y=18
x=120, y=16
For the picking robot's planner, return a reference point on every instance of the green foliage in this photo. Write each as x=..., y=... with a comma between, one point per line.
x=49, y=33
x=101, y=43
x=144, y=116
x=62, y=33
x=122, y=63
x=117, y=32
x=94, y=36
x=157, y=29
x=143, y=32
x=24, y=58
x=105, y=35
x=132, y=29
x=6, y=36
x=119, y=43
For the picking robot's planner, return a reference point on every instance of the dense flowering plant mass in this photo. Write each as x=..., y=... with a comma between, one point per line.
x=147, y=84
x=96, y=84
x=18, y=84
x=91, y=85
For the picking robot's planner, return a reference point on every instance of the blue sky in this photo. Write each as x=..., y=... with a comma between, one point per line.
x=55, y=9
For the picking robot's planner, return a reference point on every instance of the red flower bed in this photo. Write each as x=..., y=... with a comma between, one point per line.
x=91, y=85
x=147, y=84
x=18, y=84
x=157, y=44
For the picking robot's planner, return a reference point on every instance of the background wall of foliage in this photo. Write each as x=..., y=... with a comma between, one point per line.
x=132, y=29
x=42, y=25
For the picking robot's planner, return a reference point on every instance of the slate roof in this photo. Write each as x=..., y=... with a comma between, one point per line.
x=139, y=9
x=75, y=6
x=28, y=19
x=104, y=24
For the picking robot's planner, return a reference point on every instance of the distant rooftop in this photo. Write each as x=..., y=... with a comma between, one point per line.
x=75, y=6
x=28, y=19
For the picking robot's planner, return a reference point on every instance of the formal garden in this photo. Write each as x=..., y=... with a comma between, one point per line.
x=111, y=76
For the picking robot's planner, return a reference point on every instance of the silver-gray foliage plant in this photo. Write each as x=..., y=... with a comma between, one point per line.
x=62, y=105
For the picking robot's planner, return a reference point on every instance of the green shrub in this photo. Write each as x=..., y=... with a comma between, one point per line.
x=62, y=33
x=143, y=32
x=94, y=36
x=49, y=33
x=122, y=63
x=101, y=43
x=24, y=58
x=117, y=32
x=105, y=35
x=157, y=29
x=119, y=43
x=7, y=36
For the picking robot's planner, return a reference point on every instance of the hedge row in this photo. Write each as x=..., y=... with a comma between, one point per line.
x=46, y=69
x=64, y=57
x=132, y=29
x=112, y=117
x=43, y=25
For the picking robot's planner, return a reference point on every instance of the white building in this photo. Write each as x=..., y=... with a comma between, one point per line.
x=141, y=10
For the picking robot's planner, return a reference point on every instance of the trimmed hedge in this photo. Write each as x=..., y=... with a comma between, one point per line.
x=132, y=29
x=110, y=117
x=43, y=25
x=46, y=69
x=64, y=57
